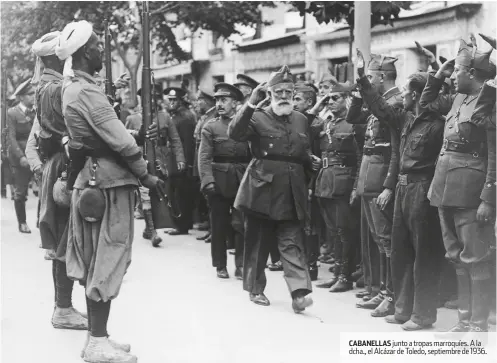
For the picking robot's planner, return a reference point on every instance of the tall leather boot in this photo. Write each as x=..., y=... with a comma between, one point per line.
x=344, y=282
x=336, y=268
x=20, y=207
x=480, y=298
x=463, y=301
x=150, y=231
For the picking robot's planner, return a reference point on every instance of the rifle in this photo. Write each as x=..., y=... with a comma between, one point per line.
x=158, y=198
x=109, y=87
x=4, y=130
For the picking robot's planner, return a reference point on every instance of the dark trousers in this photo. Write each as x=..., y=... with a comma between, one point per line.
x=222, y=229
x=183, y=197
x=417, y=254
x=313, y=231
x=370, y=255
x=289, y=236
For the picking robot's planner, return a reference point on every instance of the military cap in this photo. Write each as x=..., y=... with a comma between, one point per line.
x=282, y=76
x=24, y=88
x=469, y=56
x=243, y=80
x=203, y=93
x=175, y=92
x=328, y=78
x=227, y=90
x=158, y=90
x=383, y=63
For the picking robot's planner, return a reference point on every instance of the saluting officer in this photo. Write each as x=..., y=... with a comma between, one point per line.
x=377, y=179
x=463, y=188
x=222, y=163
x=273, y=191
x=182, y=185
x=20, y=120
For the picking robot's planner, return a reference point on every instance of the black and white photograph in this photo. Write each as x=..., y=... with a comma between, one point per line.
x=248, y=181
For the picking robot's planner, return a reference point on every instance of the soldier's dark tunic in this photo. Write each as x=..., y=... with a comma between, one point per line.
x=273, y=194
x=464, y=177
x=379, y=169
x=19, y=122
x=222, y=161
x=341, y=160
x=182, y=184
x=99, y=253
x=417, y=247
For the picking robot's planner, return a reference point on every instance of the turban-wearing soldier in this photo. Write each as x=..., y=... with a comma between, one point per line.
x=48, y=163
x=375, y=185
x=273, y=191
x=341, y=159
x=101, y=223
x=20, y=120
x=417, y=247
x=463, y=187
x=222, y=163
x=182, y=183
x=168, y=150
x=245, y=84
x=206, y=109
x=304, y=101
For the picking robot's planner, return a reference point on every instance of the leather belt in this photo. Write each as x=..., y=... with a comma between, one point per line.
x=232, y=159
x=405, y=179
x=380, y=150
x=460, y=147
x=334, y=158
x=284, y=158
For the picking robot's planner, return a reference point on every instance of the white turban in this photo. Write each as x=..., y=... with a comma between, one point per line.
x=73, y=37
x=43, y=47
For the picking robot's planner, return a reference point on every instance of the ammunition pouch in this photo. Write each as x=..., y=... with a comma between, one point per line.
x=77, y=160
x=48, y=144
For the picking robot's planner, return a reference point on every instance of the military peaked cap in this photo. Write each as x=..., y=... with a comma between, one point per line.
x=175, y=92
x=382, y=63
x=24, y=88
x=227, y=90
x=469, y=56
x=202, y=93
x=243, y=80
x=282, y=76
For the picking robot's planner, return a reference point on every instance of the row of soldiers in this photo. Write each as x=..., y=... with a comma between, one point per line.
x=282, y=171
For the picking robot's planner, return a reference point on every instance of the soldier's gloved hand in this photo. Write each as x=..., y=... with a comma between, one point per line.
x=353, y=197
x=258, y=94
x=150, y=181
x=360, y=64
x=152, y=132
x=485, y=213
x=181, y=166
x=210, y=189
x=24, y=162
x=316, y=163
x=423, y=51
x=384, y=198
x=446, y=70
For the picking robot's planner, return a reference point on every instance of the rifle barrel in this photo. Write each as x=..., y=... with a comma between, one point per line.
x=108, y=62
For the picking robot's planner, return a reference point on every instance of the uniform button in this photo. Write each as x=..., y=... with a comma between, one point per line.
x=270, y=145
x=489, y=185
x=264, y=153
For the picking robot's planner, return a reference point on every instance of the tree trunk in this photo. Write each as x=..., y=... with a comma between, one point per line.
x=133, y=87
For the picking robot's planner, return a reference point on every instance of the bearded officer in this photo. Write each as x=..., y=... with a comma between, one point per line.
x=463, y=188
x=20, y=120
x=222, y=163
x=48, y=165
x=182, y=183
x=273, y=191
x=101, y=223
x=377, y=179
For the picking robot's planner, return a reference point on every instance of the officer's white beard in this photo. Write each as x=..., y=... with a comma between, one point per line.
x=282, y=108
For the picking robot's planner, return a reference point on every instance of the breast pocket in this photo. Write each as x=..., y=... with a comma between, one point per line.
x=343, y=141
x=270, y=141
x=223, y=145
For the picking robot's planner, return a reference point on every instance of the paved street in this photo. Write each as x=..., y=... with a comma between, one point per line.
x=172, y=308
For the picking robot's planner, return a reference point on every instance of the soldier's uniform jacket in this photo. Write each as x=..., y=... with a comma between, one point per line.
x=134, y=121
x=185, y=123
x=379, y=166
x=340, y=156
x=420, y=137
x=49, y=104
x=222, y=160
x=19, y=123
x=274, y=185
x=93, y=124
x=209, y=115
x=462, y=178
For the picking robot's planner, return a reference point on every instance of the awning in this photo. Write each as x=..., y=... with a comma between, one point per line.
x=173, y=71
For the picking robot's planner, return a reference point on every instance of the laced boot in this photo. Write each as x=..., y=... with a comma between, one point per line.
x=149, y=222
x=100, y=350
x=69, y=318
